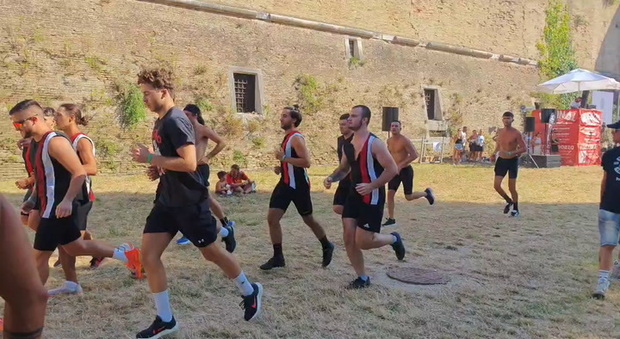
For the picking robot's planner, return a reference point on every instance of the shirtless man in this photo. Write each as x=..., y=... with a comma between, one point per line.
x=510, y=146
x=403, y=152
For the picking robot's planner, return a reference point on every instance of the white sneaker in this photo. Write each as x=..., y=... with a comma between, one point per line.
x=601, y=289
x=68, y=287
x=615, y=271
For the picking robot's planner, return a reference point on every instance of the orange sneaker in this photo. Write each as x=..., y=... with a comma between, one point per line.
x=134, y=262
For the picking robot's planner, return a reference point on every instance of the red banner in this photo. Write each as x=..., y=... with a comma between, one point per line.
x=577, y=134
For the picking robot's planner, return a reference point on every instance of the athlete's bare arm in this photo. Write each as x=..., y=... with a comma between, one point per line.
x=339, y=173
x=208, y=133
x=61, y=150
x=25, y=183
x=303, y=160
x=412, y=154
x=85, y=150
x=496, y=138
x=185, y=162
x=521, y=148
x=20, y=284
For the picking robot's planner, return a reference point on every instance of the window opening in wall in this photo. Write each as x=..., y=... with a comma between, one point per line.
x=352, y=48
x=245, y=92
x=433, y=107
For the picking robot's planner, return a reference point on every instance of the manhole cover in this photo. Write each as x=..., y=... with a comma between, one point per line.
x=418, y=276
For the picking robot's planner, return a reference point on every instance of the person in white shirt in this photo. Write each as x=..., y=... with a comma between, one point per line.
x=576, y=104
x=537, y=144
x=479, y=147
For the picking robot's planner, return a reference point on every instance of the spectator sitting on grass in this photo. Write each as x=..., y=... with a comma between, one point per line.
x=222, y=187
x=239, y=182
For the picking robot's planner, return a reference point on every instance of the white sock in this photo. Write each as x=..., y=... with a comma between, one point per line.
x=162, y=303
x=603, y=274
x=120, y=255
x=244, y=285
x=223, y=232
x=395, y=239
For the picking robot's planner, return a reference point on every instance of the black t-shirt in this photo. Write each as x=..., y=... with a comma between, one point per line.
x=177, y=189
x=611, y=165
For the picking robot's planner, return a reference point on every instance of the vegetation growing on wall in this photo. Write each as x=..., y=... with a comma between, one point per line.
x=131, y=109
x=556, y=50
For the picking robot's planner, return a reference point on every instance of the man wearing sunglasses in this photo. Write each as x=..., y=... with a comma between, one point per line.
x=609, y=212
x=59, y=177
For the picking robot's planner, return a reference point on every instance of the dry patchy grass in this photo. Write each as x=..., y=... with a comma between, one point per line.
x=510, y=278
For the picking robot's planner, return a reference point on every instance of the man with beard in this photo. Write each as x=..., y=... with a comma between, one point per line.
x=294, y=186
x=371, y=167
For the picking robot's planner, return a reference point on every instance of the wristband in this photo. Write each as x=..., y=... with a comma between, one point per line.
x=283, y=157
x=149, y=158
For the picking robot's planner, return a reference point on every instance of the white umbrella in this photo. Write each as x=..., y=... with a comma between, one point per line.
x=576, y=81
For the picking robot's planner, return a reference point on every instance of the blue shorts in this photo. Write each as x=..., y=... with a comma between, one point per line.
x=608, y=227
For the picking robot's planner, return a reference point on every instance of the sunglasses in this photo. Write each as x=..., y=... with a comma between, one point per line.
x=20, y=124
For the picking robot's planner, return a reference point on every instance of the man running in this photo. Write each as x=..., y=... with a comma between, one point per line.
x=203, y=135
x=510, y=146
x=403, y=152
x=29, y=150
x=344, y=186
x=31, y=205
x=609, y=212
x=20, y=286
x=182, y=204
x=67, y=119
x=59, y=179
x=294, y=186
x=371, y=167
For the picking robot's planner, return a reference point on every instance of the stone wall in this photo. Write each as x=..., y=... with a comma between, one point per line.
x=505, y=26
x=80, y=51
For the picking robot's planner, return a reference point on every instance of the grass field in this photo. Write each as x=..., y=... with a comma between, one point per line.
x=529, y=277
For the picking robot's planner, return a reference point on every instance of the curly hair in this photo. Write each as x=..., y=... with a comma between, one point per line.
x=159, y=78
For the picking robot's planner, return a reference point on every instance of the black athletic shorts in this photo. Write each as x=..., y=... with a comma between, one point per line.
x=340, y=197
x=81, y=213
x=53, y=232
x=406, y=177
x=195, y=222
x=204, y=171
x=510, y=166
x=368, y=217
x=283, y=195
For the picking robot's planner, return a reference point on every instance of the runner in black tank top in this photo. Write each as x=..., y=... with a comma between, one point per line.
x=344, y=186
x=29, y=150
x=371, y=166
x=59, y=177
x=294, y=186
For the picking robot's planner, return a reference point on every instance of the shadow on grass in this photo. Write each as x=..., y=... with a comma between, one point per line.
x=528, y=276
